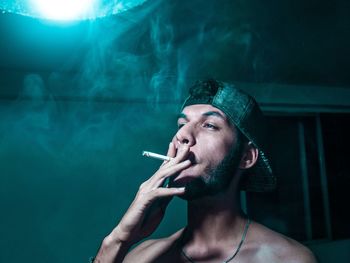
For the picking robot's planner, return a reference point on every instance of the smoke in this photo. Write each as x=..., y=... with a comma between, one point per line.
x=71, y=142
x=133, y=67
x=133, y=58
x=127, y=74
x=116, y=95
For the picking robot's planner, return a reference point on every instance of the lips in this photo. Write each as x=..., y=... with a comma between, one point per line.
x=192, y=158
x=182, y=180
x=184, y=177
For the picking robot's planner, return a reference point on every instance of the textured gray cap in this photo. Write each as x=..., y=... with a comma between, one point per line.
x=243, y=111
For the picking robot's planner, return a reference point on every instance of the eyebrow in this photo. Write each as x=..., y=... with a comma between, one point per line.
x=215, y=114
x=206, y=114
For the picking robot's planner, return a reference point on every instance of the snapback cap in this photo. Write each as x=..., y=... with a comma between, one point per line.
x=243, y=111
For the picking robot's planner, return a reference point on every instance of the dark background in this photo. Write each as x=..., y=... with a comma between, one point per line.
x=80, y=101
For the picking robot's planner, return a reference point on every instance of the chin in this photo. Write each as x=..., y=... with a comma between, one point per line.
x=196, y=189
x=202, y=186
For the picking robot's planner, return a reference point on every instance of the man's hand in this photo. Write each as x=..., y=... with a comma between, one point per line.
x=147, y=210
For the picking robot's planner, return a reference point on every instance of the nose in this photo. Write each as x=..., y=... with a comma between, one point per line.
x=185, y=135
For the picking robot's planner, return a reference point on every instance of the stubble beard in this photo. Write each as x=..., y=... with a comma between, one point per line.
x=215, y=180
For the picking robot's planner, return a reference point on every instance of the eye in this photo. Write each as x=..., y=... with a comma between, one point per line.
x=210, y=126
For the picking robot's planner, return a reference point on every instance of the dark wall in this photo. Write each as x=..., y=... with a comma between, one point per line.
x=79, y=102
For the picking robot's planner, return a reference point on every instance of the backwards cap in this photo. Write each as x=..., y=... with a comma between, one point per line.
x=243, y=111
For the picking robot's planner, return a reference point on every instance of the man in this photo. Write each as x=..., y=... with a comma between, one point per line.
x=216, y=152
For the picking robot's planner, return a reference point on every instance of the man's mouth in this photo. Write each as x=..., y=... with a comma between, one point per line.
x=183, y=177
x=192, y=158
x=181, y=180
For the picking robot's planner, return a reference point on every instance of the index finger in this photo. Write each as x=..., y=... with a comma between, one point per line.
x=171, y=152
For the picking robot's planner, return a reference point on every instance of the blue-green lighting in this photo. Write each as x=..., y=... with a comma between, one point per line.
x=68, y=10
x=64, y=9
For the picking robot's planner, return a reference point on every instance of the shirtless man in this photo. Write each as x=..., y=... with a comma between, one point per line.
x=217, y=151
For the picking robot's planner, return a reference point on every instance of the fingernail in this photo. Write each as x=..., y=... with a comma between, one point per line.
x=180, y=189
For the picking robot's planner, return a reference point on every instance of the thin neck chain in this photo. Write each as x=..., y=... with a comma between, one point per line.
x=234, y=254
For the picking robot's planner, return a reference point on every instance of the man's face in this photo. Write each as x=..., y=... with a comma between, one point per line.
x=212, y=140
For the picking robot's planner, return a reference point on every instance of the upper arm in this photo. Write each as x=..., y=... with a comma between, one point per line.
x=149, y=251
x=301, y=254
x=308, y=256
x=152, y=250
x=286, y=250
x=140, y=251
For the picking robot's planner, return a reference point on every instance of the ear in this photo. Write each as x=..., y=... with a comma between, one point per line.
x=250, y=156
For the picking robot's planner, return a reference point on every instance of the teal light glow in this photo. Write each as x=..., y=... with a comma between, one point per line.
x=64, y=9
x=68, y=10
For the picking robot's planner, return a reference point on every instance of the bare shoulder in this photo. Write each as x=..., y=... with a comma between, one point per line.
x=151, y=250
x=271, y=246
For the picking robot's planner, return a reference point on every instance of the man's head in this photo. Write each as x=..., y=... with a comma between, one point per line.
x=224, y=129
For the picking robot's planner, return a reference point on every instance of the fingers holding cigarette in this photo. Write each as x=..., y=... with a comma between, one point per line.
x=167, y=171
x=171, y=166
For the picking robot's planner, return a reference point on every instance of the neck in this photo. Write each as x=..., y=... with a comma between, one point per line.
x=215, y=219
x=214, y=231
x=216, y=227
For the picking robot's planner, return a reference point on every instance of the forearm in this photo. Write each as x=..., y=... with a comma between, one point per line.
x=112, y=250
x=146, y=211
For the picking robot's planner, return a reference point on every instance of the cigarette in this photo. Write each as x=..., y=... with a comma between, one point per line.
x=156, y=156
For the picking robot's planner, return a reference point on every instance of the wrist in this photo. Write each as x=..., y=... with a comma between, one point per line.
x=113, y=249
x=119, y=237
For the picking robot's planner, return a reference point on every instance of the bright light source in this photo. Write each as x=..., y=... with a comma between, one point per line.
x=68, y=10
x=64, y=9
